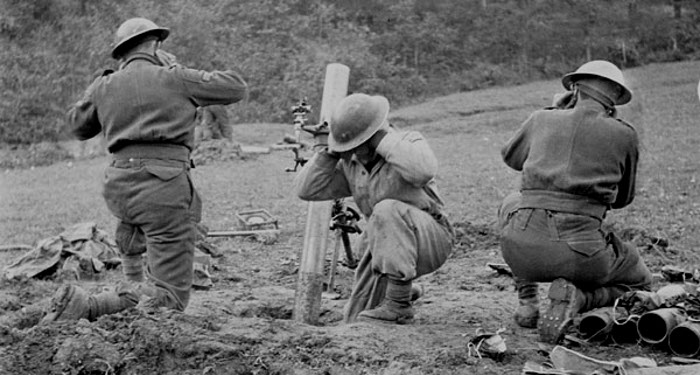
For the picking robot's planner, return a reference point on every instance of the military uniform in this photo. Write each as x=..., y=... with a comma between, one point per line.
x=576, y=164
x=406, y=235
x=215, y=123
x=146, y=112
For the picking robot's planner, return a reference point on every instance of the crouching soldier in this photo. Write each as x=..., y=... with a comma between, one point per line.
x=577, y=162
x=391, y=176
x=146, y=112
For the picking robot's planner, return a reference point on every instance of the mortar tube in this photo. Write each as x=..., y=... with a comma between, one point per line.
x=598, y=323
x=625, y=331
x=654, y=326
x=684, y=339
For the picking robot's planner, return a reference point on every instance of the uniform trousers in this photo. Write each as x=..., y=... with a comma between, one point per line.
x=540, y=245
x=400, y=242
x=150, y=191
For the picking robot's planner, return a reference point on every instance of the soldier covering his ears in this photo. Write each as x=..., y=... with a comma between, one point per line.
x=146, y=112
x=391, y=176
x=577, y=162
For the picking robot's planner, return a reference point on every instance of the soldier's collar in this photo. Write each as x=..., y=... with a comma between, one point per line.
x=139, y=56
x=592, y=104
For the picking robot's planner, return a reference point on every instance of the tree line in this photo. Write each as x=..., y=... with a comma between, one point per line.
x=407, y=50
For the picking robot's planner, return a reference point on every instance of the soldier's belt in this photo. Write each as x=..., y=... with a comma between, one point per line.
x=161, y=151
x=562, y=202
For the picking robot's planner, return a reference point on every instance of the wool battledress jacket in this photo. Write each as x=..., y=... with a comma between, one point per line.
x=581, y=152
x=576, y=164
x=146, y=112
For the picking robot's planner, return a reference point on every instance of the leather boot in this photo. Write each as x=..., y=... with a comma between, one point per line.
x=111, y=302
x=396, y=306
x=146, y=296
x=73, y=303
x=565, y=301
x=68, y=303
x=528, y=312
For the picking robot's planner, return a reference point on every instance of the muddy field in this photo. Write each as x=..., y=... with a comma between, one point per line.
x=243, y=324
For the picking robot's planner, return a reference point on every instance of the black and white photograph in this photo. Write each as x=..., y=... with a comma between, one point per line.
x=349, y=187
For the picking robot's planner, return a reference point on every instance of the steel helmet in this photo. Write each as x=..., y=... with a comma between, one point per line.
x=355, y=120
x=134, y=28
x=601, y=69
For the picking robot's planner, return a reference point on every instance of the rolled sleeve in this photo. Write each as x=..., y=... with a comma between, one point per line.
x=321, y=179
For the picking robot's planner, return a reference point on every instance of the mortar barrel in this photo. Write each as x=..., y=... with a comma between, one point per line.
x=597, y=323
x=684, y=339
x=625, y=333
x=654, y=326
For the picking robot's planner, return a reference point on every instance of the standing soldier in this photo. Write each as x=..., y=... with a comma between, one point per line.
x=576, y=162
x=215, y=123
x=146, y=111
x=391, y=176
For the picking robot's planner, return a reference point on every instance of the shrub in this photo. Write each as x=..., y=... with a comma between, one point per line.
x=406, y=50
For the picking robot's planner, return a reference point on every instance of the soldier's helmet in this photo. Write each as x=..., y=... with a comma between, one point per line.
x=606, y=71
x=355, y=120
x=132, y=31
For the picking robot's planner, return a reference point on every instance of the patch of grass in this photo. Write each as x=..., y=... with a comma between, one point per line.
x=466, y=131
x=35, y=155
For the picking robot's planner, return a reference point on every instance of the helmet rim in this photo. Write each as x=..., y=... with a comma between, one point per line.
x=588, y=71
x=379, y=106
x=161, y=33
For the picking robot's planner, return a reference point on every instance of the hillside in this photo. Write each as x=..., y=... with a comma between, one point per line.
x=242, y=325
x=406, y=49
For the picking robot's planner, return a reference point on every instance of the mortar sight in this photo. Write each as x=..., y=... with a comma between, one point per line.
x=300, y=111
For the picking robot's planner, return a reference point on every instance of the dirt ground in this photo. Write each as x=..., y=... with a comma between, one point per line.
x=244, y=325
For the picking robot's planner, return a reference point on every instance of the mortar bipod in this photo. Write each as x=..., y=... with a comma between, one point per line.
x=344, y=221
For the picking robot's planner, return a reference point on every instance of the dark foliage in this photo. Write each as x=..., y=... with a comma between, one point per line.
x=405, y=49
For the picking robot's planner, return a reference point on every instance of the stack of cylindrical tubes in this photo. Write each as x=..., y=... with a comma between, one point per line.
x=669, y=326
x=684, y=339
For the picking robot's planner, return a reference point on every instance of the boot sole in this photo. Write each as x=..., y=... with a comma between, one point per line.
x=380, y=315
x=559, y=313
x=400, y=320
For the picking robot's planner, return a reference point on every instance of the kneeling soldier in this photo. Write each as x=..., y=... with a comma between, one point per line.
x=577, y=163
x=146, y=111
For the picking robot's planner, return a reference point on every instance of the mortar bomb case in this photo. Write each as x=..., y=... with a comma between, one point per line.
x=257, y=219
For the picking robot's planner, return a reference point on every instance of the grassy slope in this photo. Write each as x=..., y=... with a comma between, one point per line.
x=466, y=131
